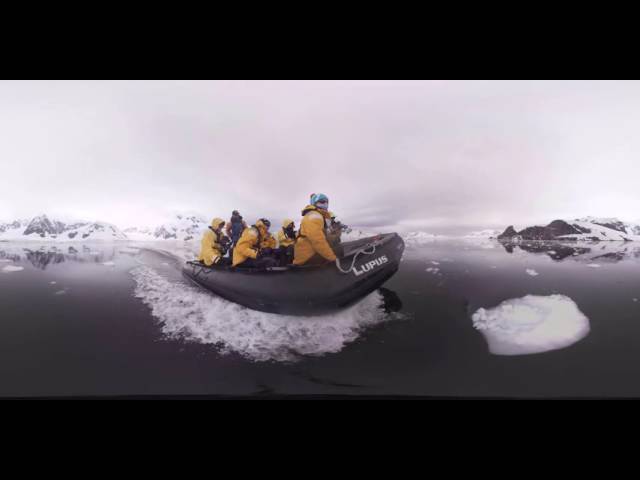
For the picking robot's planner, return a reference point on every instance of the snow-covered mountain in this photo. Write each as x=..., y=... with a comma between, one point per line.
x=582, y=229
x=484, y=234
x=410, y=238
x=15, y=225
x=629, y=228
x=181, y=228
x=42, y=228
x=419, y=238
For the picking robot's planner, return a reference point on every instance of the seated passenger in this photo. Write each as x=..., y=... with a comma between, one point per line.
x=311, y=246
x=247, y=252
x=212, y=247
x=286, y=241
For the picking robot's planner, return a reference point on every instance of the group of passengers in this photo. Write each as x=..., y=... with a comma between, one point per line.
x=242, y=246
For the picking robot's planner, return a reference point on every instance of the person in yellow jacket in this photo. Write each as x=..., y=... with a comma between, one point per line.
x=286, y=240
x=248, y=251
x=287, y=234
x=212, y=247
x=269, y=241
x=311, y=245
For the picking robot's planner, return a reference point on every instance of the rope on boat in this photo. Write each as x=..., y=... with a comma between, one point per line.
x=355, y=257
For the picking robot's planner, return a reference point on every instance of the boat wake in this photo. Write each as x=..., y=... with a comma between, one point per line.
x=192, y=314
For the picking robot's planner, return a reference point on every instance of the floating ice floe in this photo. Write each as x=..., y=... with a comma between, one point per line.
x=532, y=272
x=433, y=270
x=12, y=268
x=5, y=260
x=531, y=324
x=108, y=264
x=52, y=283
x=435, y=263
x=593, y=265
x=61, y=292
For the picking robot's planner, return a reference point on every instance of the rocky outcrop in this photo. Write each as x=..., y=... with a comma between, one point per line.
x=591, y=230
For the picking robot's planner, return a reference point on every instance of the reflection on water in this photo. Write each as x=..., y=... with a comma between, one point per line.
x=483, y=324
x=45, y=256
x=558, y=251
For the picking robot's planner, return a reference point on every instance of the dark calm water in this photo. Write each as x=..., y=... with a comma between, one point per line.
x=122, y=321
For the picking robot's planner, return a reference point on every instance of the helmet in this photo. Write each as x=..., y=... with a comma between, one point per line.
x=286, y=222
x=263, y=221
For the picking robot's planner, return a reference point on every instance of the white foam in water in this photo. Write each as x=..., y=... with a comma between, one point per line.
x=108, y=264
x=60, y=292
x=193, y=314
x=532, y=272
x=593, y=265
x=12, y=268
x=433, y=270
x=435, y=263
x=52, y=283
x=531, y=324
x=5, y=260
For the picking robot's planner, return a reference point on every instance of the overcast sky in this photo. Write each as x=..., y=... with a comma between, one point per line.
x=437, y=156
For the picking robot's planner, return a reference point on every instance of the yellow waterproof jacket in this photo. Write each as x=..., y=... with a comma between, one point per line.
x=247, y=246
x=283, y=240
x=268, y=241
x=312, y=237
x=210, y=249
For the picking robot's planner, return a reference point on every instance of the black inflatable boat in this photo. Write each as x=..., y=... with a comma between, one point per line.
x=363, y=266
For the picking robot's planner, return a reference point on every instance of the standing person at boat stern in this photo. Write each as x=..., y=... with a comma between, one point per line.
x=212, y=245
x=235, y=227
x=312, y=246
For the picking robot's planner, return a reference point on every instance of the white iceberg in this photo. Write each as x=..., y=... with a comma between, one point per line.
x=531, y=324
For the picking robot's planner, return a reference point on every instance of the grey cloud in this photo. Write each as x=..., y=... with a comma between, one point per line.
x=432, y=155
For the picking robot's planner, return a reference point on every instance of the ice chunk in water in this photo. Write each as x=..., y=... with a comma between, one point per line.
x=12, y=268
x=531, y=324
